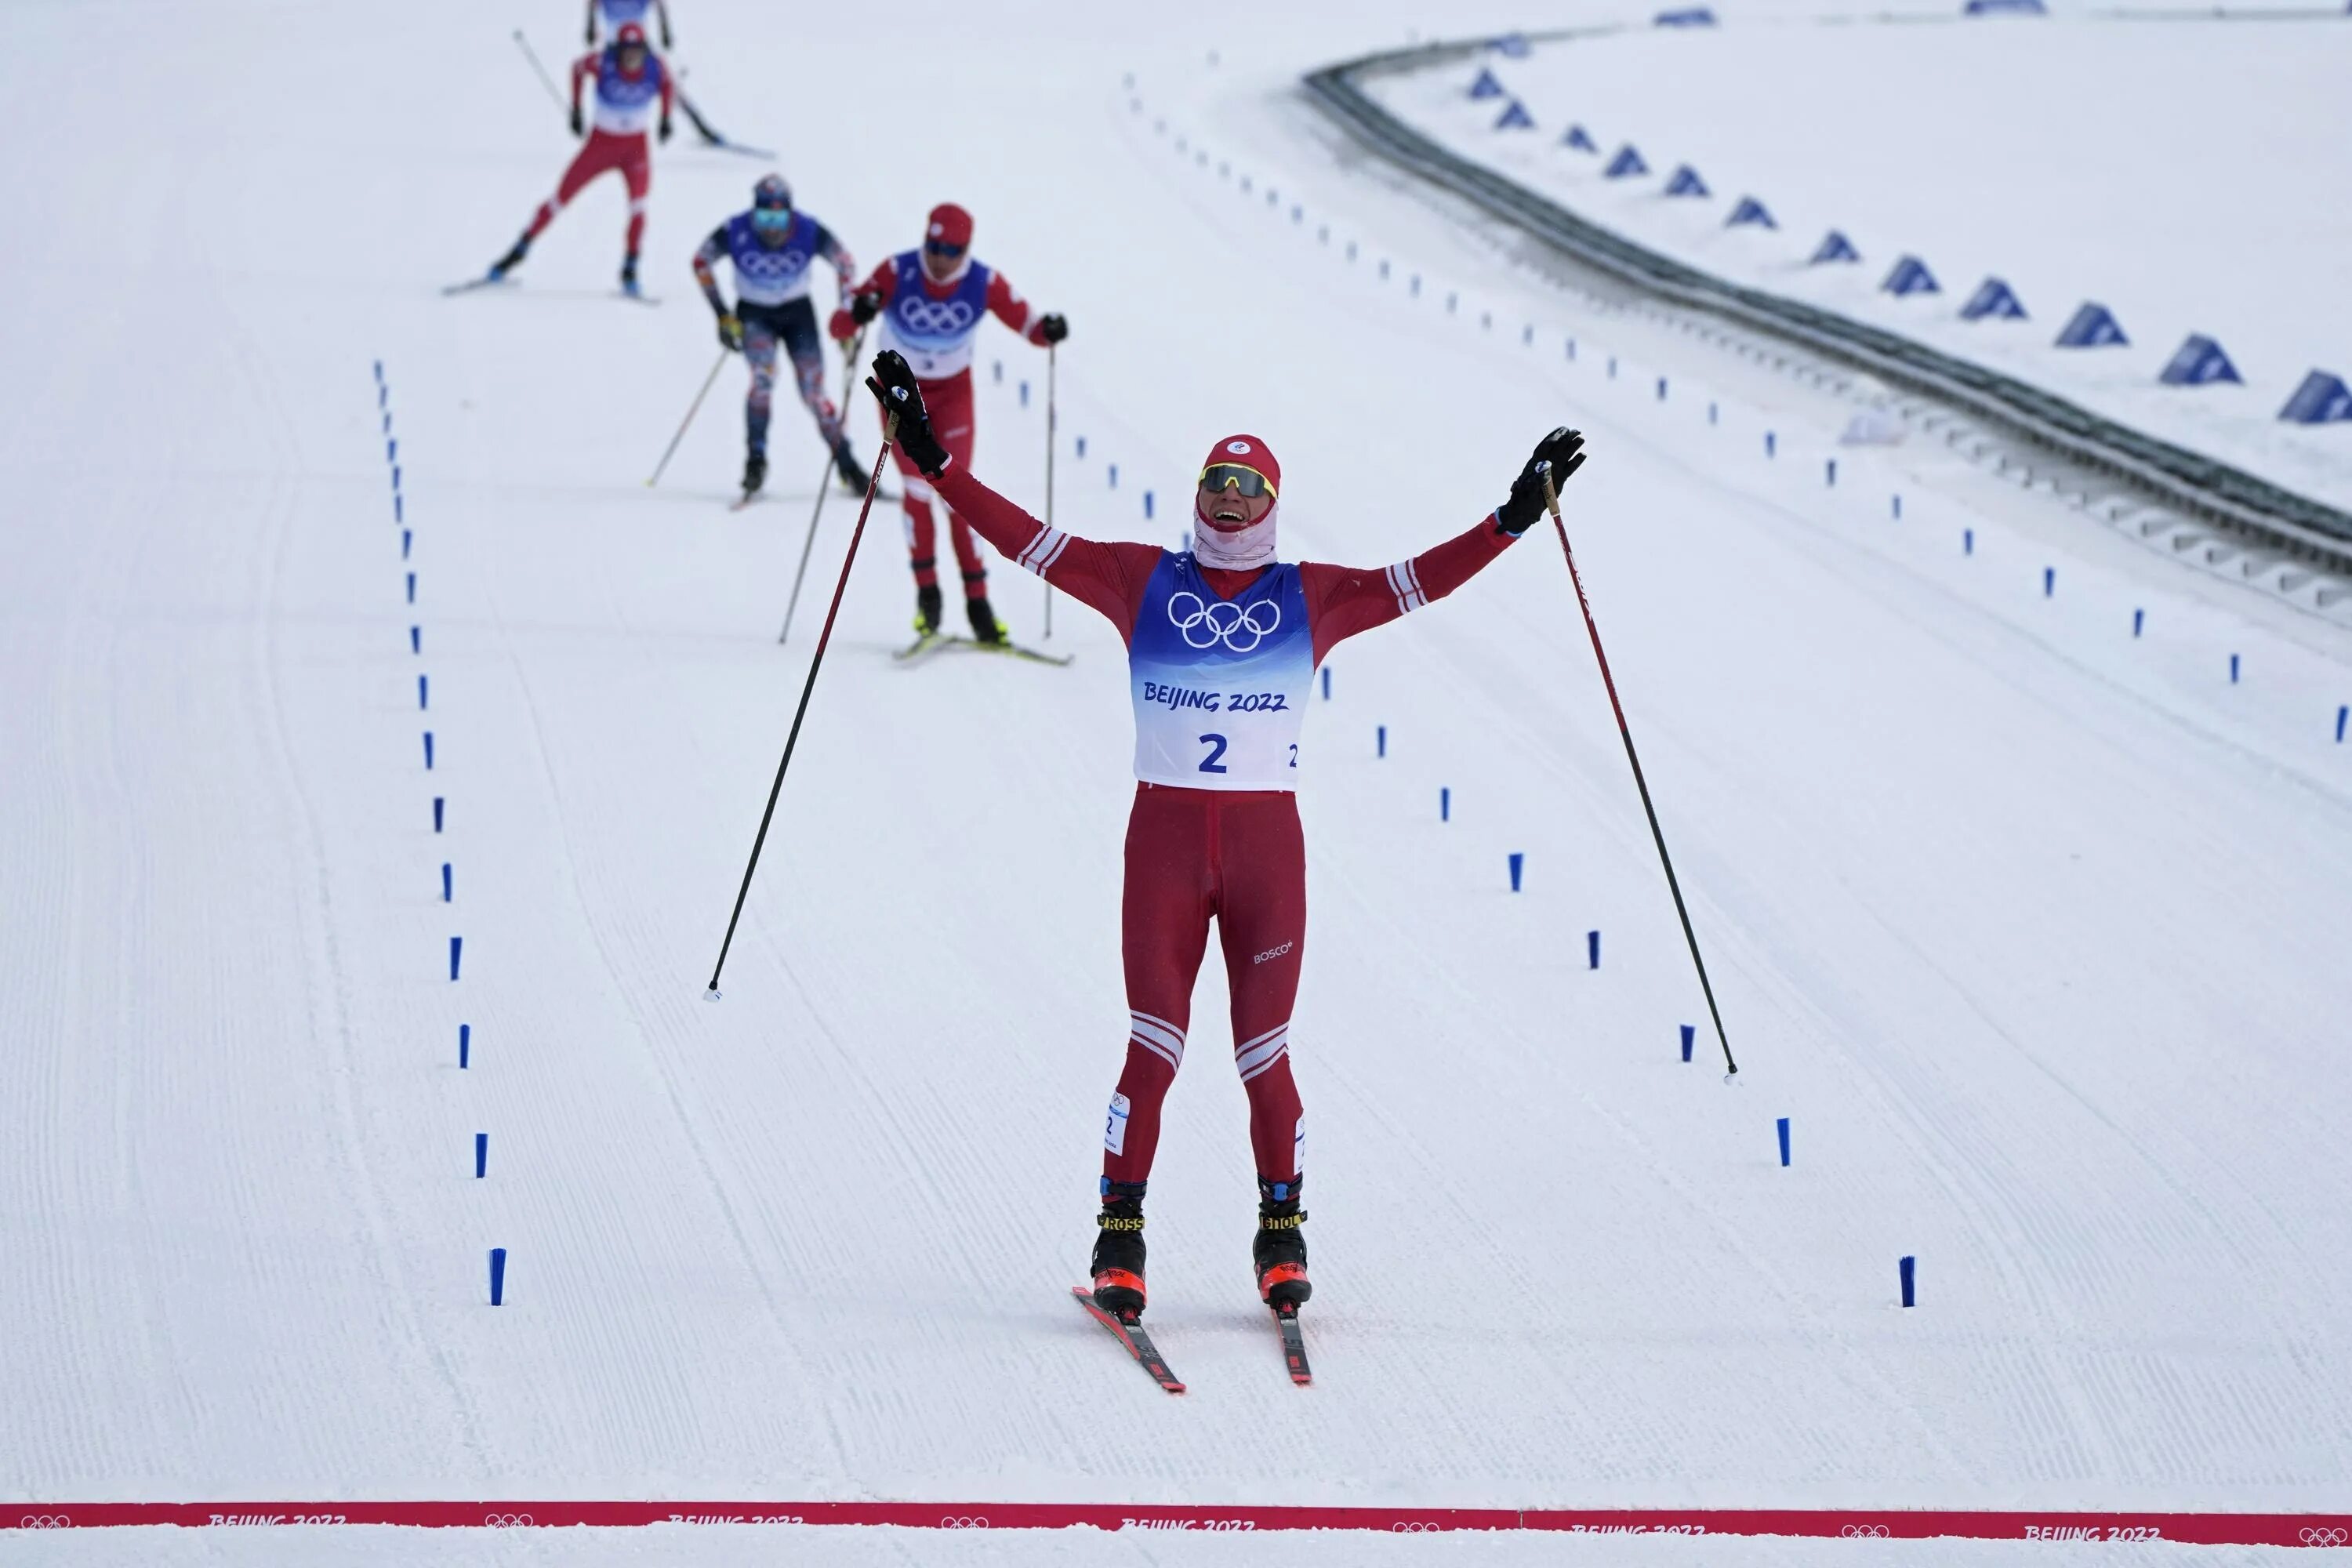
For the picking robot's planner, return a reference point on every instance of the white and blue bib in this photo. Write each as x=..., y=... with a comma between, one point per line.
x=625, y=108
x=1219, y=685
x=617, y=12
x=934, y=334
x=766, y=274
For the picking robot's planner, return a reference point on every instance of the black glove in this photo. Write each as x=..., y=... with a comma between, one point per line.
x=894, y=383
x=1559, y=453
x=591, y=37
x=661, y=132
x=1054, y=329
x=577, y=127
x=730, y=330
x=864, y=305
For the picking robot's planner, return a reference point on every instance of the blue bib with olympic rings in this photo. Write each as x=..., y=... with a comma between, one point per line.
x=1219, y=685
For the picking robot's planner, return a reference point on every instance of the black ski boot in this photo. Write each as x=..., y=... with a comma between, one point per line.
x=986, y=629
x=846, y=463
x=1279, y=1249
x=511, y=259
x=629, y=274
x=927, y=609
x=1119, y=1250
x=755, y=472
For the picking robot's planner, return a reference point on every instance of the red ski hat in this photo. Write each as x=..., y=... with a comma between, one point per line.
x=629, y=33
x=948, y=225
x=1246, y=452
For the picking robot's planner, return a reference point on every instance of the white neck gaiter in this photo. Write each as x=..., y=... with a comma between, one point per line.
x=1252, y=546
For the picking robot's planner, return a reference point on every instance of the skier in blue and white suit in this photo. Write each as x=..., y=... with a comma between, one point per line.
x=773, y=248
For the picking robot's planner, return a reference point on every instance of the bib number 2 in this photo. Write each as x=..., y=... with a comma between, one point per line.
x=1213, y=763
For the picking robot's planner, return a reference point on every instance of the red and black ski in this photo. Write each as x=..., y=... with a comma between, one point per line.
x=1294, y=1345
x=1132, y=1335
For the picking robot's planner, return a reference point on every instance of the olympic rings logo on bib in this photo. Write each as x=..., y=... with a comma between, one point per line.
x=935, y=315
x=1208, y=623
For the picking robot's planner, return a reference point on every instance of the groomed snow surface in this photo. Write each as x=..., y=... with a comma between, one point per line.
x=2033, y=929
x=2179, y=167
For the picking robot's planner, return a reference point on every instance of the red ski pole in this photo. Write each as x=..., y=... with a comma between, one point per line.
x=889, y=435
x=1551, y=499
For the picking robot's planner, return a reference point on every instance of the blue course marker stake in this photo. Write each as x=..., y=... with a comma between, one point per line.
x=1082, y=446
x=482, y=1155
x=395, y=478
x=2343, y=716
x=2049, y=581
x=390, y=450
x=412, y=587
x=2139, y=619
x=1024, y=395
x=1661, y=389
x=428, y=751
x=1572, y=348
x=1967, y=541
x=1908, y=1268
x=1710, y=414
x=465, y=1046
x=379, y=372
x=387, y=421
x=445, y=883
x=1444, y=804
x=436, y=813
x=1784, y=1141
x=1146, y=505
x=1380, y=740
x=406, y=539
x=498, y=1276
x=1830, y=469
x=1894, y=507
x=420, y=694
x=1592, y=949
x=416, y=639
x=1771, y=444
x=2233, y=669
x=1612, y=367
x=1114, y=475
x=457, y=946
x=1519, y=864
x=1690, y=1033
x=997, y=367
x=1327, y=683
x=396, y=514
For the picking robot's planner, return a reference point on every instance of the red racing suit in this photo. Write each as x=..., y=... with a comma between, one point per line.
x=1236, y=854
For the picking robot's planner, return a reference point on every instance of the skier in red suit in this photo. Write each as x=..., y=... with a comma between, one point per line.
x=931, y=302
x=631, y=84
x=1223, y=642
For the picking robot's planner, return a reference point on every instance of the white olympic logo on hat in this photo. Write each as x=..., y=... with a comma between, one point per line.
x=55, y=1521
x=507, y=1521
x=2325, y=1535
x=964, y=1521
x=1224, y=621
x=1869, y=1531
x=935, y=315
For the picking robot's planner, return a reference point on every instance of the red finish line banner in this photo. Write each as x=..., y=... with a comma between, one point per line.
x=1896, y=1524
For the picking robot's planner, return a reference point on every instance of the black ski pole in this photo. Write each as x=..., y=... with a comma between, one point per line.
x=546, y=80
x=890, y=434
x=692, y=409
x=823, y=486
x=1551, y=499
x=1052, y=426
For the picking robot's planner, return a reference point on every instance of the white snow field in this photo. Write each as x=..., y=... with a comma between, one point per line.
x=2034, y=930
x=2184, y=168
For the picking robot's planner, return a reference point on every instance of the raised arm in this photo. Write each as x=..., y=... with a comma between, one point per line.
x=1344, y=600
x=1108, y=577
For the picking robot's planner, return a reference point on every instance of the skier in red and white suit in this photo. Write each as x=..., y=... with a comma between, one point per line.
x=1223, y=642
x=931, y=302
x=631, y=84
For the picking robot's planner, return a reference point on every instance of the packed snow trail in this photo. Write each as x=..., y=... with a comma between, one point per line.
x=2030, y=928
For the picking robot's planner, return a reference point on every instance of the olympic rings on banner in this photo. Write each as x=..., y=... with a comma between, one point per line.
x=964, y=1521
x=1223, y=621
x=1863, y=1532
x=2325, y=1535
x=44, y=1521
x=507, y=1521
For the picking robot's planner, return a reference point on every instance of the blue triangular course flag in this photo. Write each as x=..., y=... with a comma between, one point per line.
x=2198, y=361
x=2320, y=399
x=2092, y=327
x=1750, y=210
x=1575, y=137
x=1834, y=247
x=1993, y=298
x=1516, y=118
x=1486, y=86
x=1511, y=45
x=1627, y=161
x=1910, y=277
x=1685, y=182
